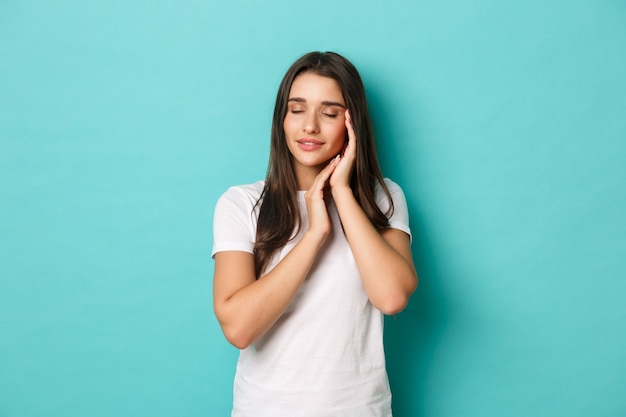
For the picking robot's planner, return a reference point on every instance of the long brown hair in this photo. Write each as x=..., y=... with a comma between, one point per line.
x=279, y=214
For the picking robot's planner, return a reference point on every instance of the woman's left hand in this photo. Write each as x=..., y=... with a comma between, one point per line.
x=343, y=170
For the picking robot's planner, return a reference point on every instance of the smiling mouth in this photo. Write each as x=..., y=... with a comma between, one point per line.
x=309, y=145
x=309, y=142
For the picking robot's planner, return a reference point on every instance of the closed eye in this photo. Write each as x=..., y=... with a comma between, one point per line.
x=296, y=109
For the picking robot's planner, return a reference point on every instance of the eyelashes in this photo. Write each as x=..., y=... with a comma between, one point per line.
x=299, y=111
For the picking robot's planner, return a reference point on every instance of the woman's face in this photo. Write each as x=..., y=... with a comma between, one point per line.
x=314, y=124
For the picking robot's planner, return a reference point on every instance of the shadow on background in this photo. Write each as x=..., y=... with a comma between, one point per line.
x=413, y=336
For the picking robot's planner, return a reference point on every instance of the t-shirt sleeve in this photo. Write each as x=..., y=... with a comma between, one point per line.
x=234, y=223
x=400, y=217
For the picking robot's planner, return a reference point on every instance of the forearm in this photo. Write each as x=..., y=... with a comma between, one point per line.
x=388, y=276
x=252, y=310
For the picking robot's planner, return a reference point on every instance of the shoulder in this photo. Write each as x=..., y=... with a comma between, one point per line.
x=237, y=209
x=391, y=186
x=399, y=216
x=245, y=193
x=235, y=217
x=239, y=201
x=395, y=192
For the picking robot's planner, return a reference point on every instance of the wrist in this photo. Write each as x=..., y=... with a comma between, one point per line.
x=341, y=191
x=315, y=237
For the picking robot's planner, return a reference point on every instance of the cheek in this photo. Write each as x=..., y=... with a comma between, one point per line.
x=339, y=135
x=288, y=126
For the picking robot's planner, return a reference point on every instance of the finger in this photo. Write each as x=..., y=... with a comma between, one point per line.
x=322, y=178
x=351, y=146
x=349, y=126
x=351, y=133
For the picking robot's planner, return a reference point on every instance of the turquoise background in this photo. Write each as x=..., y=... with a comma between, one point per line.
x=121, y=122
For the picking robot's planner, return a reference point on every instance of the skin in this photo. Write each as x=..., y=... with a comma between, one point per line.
x=315, y=114
x=315, y=128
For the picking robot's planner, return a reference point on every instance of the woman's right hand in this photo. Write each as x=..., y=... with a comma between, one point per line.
x=319, y=222
x=246, y=307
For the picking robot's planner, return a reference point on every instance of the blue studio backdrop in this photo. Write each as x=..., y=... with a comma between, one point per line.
x=121, y=123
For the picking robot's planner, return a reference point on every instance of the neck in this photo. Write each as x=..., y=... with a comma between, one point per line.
x=305, y=176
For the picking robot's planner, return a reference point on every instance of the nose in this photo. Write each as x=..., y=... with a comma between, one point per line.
x=311, y=123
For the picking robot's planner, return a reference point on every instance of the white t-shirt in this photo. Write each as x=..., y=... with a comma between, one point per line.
x=324, y=356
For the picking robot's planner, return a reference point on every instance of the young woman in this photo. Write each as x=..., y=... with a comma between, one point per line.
x=307, y=261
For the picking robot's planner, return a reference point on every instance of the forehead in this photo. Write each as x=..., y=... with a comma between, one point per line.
x=313, y=87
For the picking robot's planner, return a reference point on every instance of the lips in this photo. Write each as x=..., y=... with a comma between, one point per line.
x=309, y=144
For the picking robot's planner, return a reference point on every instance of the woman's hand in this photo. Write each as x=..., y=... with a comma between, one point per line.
x=319, y=222
x=247, y=307
x=343, y=171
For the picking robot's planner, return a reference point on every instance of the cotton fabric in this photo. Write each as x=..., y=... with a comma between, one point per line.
x=324, y=356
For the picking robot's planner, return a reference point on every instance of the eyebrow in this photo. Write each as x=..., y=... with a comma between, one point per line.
x=324, y=103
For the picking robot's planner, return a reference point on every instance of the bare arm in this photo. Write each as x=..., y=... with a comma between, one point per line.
x=384, y=258
x=247, y=307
